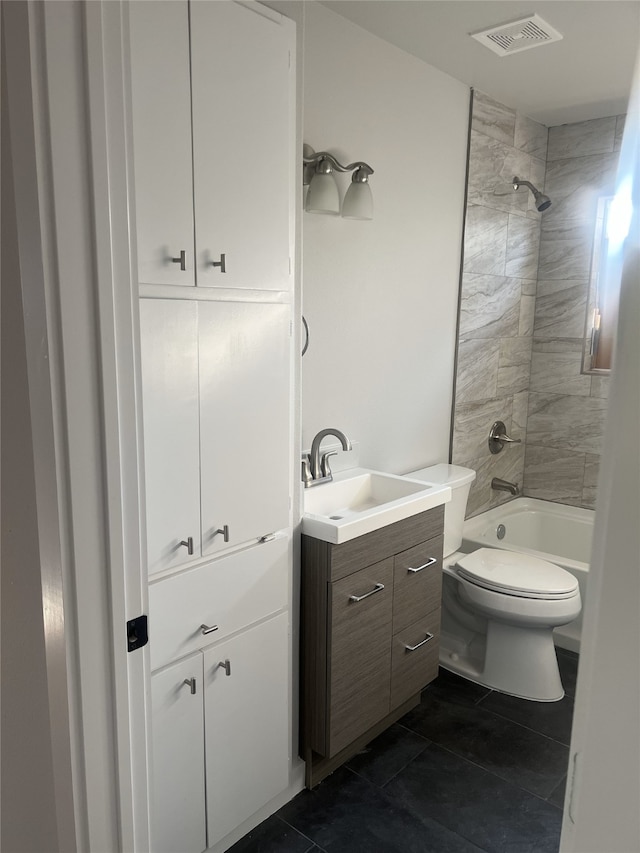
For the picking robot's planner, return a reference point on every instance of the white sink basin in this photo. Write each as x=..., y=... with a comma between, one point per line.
x=358, y=501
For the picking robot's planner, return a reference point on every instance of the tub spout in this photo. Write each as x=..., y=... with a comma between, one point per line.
x=505, y=486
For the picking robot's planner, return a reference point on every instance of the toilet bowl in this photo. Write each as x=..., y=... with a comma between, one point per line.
x=499, y=608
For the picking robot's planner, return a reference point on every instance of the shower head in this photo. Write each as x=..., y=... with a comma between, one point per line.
x=542, y=201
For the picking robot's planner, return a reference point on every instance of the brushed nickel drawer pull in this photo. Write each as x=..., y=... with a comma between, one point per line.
x=429, y=562
x=417, y=646
x=208, y=629
x=356, y=598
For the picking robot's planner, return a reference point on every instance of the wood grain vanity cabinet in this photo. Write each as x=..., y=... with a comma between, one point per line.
x=370, y=628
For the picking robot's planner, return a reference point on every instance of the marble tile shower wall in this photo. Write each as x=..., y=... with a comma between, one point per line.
x=497, y=310
x=567, y=408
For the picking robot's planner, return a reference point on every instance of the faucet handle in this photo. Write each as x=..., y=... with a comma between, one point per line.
x=306, y=469
x=325, y=468
x=498, y=437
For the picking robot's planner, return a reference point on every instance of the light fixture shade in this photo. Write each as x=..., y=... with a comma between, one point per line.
x=323, y=195
x=358, y=201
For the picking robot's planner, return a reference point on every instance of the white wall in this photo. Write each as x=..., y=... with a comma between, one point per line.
x=381, y=297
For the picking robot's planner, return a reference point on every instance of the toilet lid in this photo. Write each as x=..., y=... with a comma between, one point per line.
x=518, y=574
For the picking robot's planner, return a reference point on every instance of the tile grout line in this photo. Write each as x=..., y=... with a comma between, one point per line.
x=496, y=776
x=301, y=834
x=399, y=804
x=522, y=725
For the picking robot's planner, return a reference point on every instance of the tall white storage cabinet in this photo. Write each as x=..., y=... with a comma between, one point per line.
x=212, y=126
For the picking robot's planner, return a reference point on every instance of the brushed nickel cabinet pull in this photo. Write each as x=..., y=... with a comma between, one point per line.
x=188, y=544
x=221, y=263
x=208, y=629
x=426, y=565
x=417, y=646
x=378, y=587
x=226, y=665
x=181, y=259
x=224, y=530
x=191, y=683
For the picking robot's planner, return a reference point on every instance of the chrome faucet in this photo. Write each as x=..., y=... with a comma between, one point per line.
x=505, y=486
x=315, y=468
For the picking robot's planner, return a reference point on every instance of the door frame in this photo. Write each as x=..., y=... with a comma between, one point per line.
x=71, y=168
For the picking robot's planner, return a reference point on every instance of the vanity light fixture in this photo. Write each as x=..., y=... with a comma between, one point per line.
x=323, y=195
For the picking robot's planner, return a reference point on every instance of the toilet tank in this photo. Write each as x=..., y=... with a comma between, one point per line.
x=459, y=480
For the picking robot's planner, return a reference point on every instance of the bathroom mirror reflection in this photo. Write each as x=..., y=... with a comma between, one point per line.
x=602, y=301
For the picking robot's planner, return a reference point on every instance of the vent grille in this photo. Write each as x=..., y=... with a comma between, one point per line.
x=518, y=35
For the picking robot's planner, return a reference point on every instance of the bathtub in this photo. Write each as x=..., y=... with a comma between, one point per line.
x=558, y=533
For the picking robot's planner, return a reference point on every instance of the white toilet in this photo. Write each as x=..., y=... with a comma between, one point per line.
x=499, y=608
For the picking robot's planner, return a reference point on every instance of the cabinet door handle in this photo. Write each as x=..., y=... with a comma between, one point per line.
x=426, y=565
x=421, y=643
x=221, y=263
x=226, y=665
x=191, y=683
x=224, y=530
x=208, y=629
x=378, y=587
x=181, y=259
x=188, y=544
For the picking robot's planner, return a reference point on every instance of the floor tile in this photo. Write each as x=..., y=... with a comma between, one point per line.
x=380, y=760
x=347, y=814
x=568, y=666
x=489, y=812
x=273, y=836
x=557, y=797
x=509, y=750
x=456, y=689
x=552, y=719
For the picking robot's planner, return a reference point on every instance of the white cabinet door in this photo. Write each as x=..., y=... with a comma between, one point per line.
x=178, y=792
x=247, y=724
x=169, y=352
x=245, y=421
x=242, y=120
x=161, y=123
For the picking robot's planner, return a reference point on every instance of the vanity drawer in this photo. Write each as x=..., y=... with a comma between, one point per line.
x=231, y=593
x=414, y=658
x=417, y=582
x=360, y=656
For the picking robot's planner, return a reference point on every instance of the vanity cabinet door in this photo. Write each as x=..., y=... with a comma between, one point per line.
x=241, y=85
x=161, y=129
x=178, y=787
x=360, y=659
x=169, y=354
x=245, y=421
x=247, y=724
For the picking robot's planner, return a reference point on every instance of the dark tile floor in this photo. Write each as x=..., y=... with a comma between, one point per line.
x=469, y=770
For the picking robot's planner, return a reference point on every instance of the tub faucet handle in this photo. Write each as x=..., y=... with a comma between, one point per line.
x=498, y=437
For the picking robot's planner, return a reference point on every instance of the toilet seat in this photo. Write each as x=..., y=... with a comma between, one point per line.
x=516, y=574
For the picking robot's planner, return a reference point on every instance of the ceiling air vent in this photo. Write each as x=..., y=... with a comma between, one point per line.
x=519, y=35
